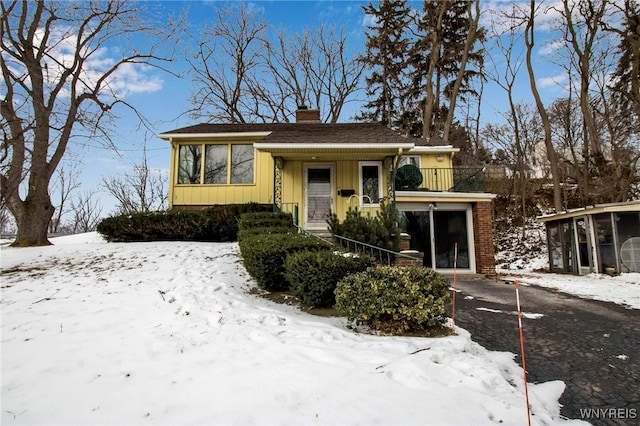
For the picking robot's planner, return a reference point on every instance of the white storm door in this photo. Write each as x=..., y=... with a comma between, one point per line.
x=318, y=195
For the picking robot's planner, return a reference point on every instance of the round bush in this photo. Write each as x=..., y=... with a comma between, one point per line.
x=394, y=299
x=313, y=276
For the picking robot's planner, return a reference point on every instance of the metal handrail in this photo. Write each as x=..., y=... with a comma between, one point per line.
x=390, y=254
x=452, y=179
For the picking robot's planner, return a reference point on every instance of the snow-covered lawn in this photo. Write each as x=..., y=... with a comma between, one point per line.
x=167, y=333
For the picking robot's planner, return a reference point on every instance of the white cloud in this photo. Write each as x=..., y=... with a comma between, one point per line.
x=128, y=79
x=552, y=47
x=559, y=80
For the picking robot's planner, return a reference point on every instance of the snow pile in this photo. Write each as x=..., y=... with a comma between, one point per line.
x=167, y=333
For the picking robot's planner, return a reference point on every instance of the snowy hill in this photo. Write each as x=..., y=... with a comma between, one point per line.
x=168, y=333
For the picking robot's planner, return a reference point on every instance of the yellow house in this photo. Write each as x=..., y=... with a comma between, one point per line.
x=312, y=169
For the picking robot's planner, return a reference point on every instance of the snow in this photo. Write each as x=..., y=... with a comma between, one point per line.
x=168, y=333
x=623, y=289
x=527, y=260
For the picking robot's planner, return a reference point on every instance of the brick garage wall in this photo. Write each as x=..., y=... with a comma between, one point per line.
x=483, y=234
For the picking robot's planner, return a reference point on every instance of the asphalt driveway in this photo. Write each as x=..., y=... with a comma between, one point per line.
x=594, y=347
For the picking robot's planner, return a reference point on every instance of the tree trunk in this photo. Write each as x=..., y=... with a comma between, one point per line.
x=551, y=153
x=33, y=220
x=434, y=57
x=468, y=45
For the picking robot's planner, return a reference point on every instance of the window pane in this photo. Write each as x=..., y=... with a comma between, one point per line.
x=409, y=159
x=189, y=157
x=605, y=241
x=241, y=163
x=450, y=227
x=370, y=185
x=215, y=167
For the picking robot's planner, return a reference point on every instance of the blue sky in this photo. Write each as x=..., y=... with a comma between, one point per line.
x=164, y=105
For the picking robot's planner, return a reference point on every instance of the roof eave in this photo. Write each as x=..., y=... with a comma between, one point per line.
x=224, y=135
x=274, y=146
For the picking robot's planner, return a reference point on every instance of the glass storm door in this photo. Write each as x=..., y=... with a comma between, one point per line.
x=319, y=196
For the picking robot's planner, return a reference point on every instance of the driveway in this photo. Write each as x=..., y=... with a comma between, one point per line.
x=594, y=347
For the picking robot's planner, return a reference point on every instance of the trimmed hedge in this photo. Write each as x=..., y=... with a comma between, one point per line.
x=265, y=220
x=264, y=256
x=218, y=223
x=246, y=233
x=394, y=299
x=313, y=276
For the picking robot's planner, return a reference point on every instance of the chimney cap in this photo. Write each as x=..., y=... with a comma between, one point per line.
x=303, y=106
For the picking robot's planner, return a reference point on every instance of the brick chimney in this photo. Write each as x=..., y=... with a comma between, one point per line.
x=306, y=115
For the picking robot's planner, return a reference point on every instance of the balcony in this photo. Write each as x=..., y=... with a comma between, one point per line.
x=456, y=179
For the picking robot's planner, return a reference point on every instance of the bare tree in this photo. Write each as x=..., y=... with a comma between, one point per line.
x=529, y=38
x=5, y=217
x=582, y=34
x=518, y=138
x=86, y=212
x=142, y=190
x=225, y=54
x=57, y=84
x=473, y=18
x=244, y=72
x=67, y=182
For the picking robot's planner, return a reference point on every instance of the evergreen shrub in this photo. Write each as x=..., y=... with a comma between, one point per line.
x=244, y=233
x=264, y=256
x=265, y=220
x=381, y=230
x=218, y=223
x=313, y=276
x=394, y=299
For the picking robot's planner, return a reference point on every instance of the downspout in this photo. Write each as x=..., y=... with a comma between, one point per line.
x=394, y=168
x=172, y=172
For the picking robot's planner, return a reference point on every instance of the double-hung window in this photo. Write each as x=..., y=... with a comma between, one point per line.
x=370, y=182
x=222, y=164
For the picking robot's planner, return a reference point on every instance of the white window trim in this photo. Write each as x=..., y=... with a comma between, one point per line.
x=419, y=162
x=466, y=207
x=380, y=183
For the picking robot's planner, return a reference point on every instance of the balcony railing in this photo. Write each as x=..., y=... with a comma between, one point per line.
x=456, y=179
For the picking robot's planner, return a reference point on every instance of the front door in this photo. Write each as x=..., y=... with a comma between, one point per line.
x=318, y=195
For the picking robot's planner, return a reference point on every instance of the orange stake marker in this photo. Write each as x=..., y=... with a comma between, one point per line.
x=453, y=297
x=524, y=362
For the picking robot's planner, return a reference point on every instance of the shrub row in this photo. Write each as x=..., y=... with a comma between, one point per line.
x=265, y=223
x=218, y=223
x=390, y=299
x=313, y=276
x=264, y=255
x=279, y=258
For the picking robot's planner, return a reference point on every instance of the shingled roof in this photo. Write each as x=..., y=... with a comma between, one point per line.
x=313, y=133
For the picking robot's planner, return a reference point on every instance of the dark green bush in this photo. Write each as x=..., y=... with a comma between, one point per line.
x=394, y=299
x=218, y=223
x=265, y=220
x=381, y=230
x=264, y=256
x=313, y=276
x=244, y=233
